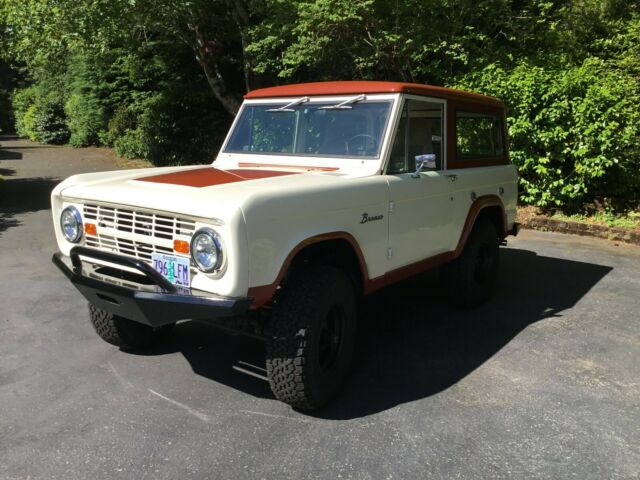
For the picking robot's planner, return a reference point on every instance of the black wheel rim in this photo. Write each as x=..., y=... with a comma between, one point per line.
x=482, y=267
x=330, y=338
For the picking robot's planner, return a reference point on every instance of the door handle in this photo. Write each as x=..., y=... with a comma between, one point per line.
x=452, y=177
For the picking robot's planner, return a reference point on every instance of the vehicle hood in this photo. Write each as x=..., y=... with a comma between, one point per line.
x=199, y=191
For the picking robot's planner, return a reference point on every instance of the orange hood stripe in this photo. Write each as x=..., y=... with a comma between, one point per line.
x=209, y=176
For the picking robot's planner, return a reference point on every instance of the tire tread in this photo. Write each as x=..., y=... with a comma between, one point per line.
x=291, y=325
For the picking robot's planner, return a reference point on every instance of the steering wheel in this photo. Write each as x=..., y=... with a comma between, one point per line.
x=364, y=136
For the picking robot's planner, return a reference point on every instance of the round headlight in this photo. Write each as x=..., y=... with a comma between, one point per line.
x=71, y=224
x=206, y=250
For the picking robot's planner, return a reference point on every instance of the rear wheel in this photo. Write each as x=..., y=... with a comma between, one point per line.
x=123, y=332
x=313, y=331
x=470, y=278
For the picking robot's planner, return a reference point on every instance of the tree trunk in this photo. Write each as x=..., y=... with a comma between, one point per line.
x=206, y=52
x=229, y=102
x=240, y=15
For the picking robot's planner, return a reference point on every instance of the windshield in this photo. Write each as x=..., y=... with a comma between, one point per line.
x=323, y=129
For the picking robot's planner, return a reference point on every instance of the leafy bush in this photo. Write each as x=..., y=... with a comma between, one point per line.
x=29, y=123
x=85, y=119
x=40, y=115
x=50, y=124
x=23, y=101
x=164, y=130
x=575, y=132
x=123, y=119
x=127, y=132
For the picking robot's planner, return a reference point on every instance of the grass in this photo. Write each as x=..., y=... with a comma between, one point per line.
x=630, y=220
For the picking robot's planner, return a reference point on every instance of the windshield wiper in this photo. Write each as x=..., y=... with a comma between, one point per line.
x=346, y=104
x=287, y=107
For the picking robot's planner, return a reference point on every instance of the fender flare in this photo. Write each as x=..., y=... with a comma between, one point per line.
x=262, y=294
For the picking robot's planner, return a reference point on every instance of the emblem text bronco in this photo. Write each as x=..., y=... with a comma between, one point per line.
x=366, y=218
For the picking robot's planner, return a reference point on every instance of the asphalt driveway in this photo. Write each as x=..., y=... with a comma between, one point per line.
x=544, y=382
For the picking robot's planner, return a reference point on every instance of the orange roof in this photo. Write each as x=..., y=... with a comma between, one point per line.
x=356, y=87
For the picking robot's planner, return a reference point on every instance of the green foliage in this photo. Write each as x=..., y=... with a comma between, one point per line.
x=40, y=115
x=85, y=119
x=609, y=218
x=84, y=107
x=150, y=129
x=29, y=123
x=411, y=40
x=159, y=115
x=23, y=102
x=49, y=123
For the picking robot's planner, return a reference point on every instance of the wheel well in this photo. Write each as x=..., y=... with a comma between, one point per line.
x=495, y=215
x=338, y=253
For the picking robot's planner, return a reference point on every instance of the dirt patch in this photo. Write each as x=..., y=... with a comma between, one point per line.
x=124, y=163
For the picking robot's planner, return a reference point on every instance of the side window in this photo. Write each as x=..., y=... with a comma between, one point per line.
x=478, y=136
x=419, y=132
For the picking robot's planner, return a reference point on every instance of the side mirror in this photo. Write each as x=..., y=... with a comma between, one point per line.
x=427, y=160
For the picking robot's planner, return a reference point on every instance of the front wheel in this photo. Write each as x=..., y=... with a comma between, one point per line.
x=470, y=278
x=123, y=332
x=313, y=331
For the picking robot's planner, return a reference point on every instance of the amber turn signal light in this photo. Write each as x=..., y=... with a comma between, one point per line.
x=181, y=246
x=90, y=229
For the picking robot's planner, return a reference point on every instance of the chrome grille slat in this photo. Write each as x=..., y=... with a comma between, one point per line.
x=143, y=232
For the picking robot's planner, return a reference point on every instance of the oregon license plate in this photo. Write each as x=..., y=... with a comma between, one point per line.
x=175, y=269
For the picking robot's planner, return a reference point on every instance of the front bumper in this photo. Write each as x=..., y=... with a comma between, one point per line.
x=151, y=299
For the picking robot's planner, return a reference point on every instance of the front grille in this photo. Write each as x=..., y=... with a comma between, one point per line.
x=135, y=233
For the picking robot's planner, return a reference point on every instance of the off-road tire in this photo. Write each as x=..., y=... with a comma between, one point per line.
x=125, y=333
x=469, y=279
x=300, y=371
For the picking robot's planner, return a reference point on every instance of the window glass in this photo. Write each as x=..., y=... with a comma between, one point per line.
x=478, y=136
x=311, y=130
x=419, y=132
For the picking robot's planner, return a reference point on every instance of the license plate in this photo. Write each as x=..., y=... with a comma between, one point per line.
x=175, y=269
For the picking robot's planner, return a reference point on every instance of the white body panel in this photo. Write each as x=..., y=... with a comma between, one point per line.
x=421, y=223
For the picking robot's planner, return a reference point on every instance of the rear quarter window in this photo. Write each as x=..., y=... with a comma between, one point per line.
x=478, y=136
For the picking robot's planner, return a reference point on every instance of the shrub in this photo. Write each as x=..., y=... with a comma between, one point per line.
x=29, y=123
x=123, y=119
x=22, y=101
x=85, y=119
x=40, y=115
x=165, y=128
x=126, y=132
x=50, y=124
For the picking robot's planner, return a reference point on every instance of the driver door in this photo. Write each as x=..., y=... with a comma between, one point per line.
x=420, y=222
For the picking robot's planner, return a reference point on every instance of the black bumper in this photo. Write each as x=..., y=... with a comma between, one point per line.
x=152, y=301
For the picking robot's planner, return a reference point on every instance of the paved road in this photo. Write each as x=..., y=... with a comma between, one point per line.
x=542, y=383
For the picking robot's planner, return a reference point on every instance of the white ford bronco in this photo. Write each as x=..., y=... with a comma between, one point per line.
x=321, y=193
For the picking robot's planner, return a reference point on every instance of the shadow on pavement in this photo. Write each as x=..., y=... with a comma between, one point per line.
x=10, y=154
x=14, y=152
x=6, y=222
x=20, y=195
x=411, y=344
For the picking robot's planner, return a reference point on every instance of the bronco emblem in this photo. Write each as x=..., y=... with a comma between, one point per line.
x=366, y=218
